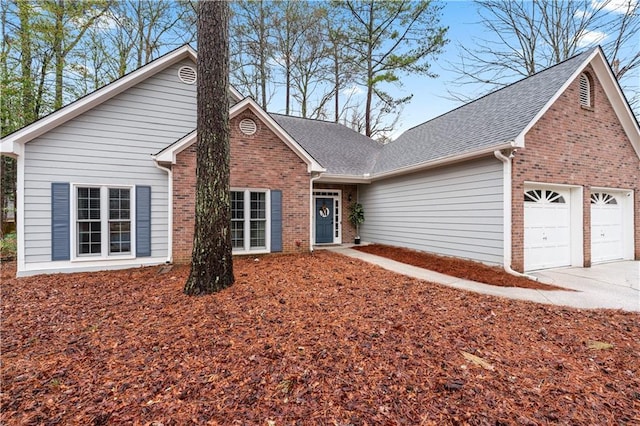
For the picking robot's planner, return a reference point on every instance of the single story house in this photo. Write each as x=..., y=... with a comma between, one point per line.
x=542, y=173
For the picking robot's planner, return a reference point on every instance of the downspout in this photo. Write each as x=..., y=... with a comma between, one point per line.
x=19, y=210
x=311, y=208
x=169, y=213
x=507, y=206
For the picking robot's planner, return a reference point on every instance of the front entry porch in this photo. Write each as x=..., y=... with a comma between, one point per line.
x=327, y=220
x=330, y=218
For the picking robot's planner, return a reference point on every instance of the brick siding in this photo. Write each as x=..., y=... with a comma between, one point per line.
x=259, y=161
x=580, y=146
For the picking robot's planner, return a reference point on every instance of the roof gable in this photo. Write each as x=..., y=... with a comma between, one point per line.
x=168, y=155
x=9, y=143
x=494, y=121
x=614, y=93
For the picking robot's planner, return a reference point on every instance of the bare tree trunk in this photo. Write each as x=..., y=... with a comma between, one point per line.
x=336, y=76
x=212, y=264
x=26, y=81
x=58, y=53
x=263, y=58
x=370, y=83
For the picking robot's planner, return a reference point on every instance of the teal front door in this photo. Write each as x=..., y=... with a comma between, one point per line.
x=324, y=220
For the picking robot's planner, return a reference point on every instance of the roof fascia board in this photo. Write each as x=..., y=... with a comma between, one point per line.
x=443, y=161
x=168, y=155
x=82, y=105
x=10, y=148
x=618, y=101
x=235, y=93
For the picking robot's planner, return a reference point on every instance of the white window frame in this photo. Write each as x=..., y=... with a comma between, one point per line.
x=247, y=249
x=104, y=221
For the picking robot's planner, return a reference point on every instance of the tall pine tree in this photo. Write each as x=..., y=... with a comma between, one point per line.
x=212, y=264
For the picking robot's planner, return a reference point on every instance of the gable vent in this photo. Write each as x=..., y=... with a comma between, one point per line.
x=248, y=126
x=187, y=75
x=585, y=91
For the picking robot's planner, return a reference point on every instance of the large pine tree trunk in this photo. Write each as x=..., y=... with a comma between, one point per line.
x=211, y=265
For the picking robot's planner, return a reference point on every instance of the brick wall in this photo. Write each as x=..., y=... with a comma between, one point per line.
x=576, y=146
x=259, y=161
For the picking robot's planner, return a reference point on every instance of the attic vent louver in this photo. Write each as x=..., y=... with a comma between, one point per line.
x=248, y=126
x=585, y=91
x=187, y=75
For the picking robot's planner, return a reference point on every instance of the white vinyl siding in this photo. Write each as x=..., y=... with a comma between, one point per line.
x=111, y=145
x=454, y=211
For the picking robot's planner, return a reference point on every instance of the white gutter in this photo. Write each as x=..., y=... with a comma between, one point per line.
x=311, y=209
x=336, y=178
x=170, y=212
x=507, y=206
x=442, y=161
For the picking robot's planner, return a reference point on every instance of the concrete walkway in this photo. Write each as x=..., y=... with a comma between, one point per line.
x=613, y=285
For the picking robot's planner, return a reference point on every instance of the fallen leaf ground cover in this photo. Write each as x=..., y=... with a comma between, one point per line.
x=310, y=340
x=456, y=267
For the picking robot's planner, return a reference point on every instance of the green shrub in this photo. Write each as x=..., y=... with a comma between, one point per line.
x=8, y=246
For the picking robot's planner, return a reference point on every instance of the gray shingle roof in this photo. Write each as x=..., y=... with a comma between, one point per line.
x=494, y=119
x=336, y=147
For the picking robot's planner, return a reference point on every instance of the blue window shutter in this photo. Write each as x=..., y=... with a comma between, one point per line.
x=143, y=221
x=60, y=221
x=276, y=220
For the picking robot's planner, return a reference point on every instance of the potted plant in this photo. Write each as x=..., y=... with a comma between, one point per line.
x=356, y=217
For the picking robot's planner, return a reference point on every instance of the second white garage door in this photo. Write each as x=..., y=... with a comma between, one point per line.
x=606, y=227
x=547, y=229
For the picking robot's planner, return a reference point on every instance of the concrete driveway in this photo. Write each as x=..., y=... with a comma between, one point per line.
x=614, y=285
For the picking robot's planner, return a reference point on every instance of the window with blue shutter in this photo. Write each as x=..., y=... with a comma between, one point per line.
x=276, y=220
x=60, y=221
x=143, y=221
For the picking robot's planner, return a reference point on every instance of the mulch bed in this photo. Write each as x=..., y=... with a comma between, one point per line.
x=461, y=268
x=305, y=340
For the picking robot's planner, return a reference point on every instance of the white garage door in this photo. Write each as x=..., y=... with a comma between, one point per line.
x=547, y=227
x=606, y=227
